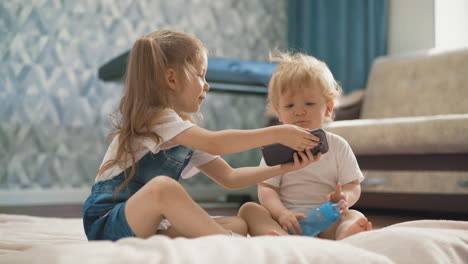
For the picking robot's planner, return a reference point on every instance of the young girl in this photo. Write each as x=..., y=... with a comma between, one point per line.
x=302, y=92
x=156, y=136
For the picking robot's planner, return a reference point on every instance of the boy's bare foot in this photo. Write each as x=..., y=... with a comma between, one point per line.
x=275, y=233
x=348, y=229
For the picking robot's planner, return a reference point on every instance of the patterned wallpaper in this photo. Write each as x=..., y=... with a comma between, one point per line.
x=53, y=108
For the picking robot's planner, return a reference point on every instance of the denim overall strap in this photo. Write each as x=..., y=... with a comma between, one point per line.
x=169, y=162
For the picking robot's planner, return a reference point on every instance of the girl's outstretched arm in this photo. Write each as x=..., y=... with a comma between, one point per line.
x=232, y=141
x=222, y=173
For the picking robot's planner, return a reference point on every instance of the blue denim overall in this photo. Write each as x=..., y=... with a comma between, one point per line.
x=104, y=211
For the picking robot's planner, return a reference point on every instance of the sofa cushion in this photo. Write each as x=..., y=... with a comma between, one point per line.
x=420, y=84
x=405, y=135
x=410, y=181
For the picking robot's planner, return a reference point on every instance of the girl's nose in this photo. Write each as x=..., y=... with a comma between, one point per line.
x=207, y=87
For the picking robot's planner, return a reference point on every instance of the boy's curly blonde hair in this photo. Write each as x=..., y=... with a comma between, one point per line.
x=295, y=70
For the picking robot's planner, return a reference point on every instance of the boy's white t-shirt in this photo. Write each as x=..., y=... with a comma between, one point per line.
x=304, y=189
x=168, y=126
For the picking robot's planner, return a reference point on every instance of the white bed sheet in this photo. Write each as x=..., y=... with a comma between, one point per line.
x=27, y=239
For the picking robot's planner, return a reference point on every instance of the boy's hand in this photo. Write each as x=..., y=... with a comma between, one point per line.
x=306, y=158
x=289, y=221
x=338, y=195
x=297, y=138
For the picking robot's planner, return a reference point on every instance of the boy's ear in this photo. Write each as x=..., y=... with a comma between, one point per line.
x=330, y=106
x=277, y=113
x=170, y=76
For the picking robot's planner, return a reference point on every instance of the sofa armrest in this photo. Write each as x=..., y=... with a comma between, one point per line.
x=349, y=106
x=405, y=135
x=348, y=112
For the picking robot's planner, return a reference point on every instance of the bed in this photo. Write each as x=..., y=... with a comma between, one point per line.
x=29, y=239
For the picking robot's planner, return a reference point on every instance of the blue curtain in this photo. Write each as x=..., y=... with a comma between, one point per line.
x=346, y=34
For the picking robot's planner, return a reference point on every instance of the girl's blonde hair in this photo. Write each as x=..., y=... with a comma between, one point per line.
x=294, y=72
x=147, y=95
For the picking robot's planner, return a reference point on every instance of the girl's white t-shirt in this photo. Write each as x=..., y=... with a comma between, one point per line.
x=168, y=126
x=304, y=189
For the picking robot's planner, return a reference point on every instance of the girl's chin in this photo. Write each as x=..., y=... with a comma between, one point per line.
x=196, y=109
x=191, y=110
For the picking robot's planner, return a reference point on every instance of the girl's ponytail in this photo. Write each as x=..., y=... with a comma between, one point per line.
x=145, y=72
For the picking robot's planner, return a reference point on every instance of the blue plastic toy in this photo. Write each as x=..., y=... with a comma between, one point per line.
x=320, y=218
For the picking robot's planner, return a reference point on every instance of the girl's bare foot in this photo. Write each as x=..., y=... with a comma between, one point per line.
x=347, y=229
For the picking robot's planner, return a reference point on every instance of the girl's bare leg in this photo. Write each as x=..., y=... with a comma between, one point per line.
x=234, y=223
x=163, y=196
x=259, y=220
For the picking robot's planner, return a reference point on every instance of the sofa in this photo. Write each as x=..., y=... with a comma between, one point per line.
x=410, y=132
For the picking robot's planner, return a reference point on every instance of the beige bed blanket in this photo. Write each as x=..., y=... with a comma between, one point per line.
x=27, y=239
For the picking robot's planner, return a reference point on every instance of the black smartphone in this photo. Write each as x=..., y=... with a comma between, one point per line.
x=275, y=154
